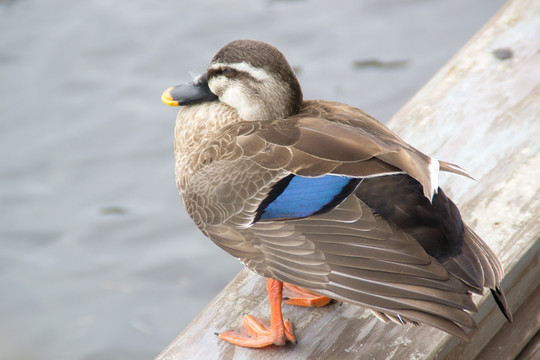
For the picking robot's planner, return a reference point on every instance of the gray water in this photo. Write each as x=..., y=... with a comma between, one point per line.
x=97, y=258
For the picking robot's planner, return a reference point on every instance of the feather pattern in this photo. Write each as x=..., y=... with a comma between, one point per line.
x=329, y=199
x=384, y=245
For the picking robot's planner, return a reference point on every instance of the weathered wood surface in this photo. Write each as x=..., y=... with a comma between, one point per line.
x=481, y=111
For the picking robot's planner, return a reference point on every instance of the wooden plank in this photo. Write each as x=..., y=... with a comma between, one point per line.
x=521, y=331
x=481, y=111
x=532, y=350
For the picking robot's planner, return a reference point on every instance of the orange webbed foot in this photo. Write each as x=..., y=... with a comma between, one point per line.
x=257, y=333
x=295, y=295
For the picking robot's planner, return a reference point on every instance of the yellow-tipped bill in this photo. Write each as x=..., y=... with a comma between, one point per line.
x=167, y=99
x=187, y=94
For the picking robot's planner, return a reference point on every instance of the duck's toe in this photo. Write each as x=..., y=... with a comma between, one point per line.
x=257, y=333
x=294, y=295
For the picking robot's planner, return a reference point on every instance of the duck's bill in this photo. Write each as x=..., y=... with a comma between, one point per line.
x=191, y=93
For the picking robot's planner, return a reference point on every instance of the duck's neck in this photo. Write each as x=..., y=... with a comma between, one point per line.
x=196, y=126
x=267, y=103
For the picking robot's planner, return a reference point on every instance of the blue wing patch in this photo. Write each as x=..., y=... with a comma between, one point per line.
x=298, y=197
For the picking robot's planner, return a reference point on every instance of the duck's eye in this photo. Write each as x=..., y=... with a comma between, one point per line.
x=228, y=72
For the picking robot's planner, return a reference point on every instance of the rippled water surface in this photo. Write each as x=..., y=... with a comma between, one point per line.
x=97, y=258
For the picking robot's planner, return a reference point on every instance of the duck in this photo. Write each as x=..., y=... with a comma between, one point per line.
x=322, y=200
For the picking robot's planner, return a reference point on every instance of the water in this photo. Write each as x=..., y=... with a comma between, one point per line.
x=97, y=257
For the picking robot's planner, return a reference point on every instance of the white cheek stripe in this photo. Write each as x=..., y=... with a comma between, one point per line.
x=256, y=73
x=233, y=96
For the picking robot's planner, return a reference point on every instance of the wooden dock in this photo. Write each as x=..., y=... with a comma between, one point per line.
x=481, y=111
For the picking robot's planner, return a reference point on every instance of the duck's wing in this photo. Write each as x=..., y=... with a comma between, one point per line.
x=327, y=137
x=352, y=254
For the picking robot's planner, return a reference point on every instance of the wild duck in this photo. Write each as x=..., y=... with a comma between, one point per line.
x=322, y=197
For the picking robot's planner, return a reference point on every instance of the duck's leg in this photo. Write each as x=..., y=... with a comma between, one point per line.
x=253, y=333
x=294, y=295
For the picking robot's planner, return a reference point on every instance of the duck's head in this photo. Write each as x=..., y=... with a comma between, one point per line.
x=251, y=76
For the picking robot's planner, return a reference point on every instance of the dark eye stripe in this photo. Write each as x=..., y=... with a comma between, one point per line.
x=228, y=72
